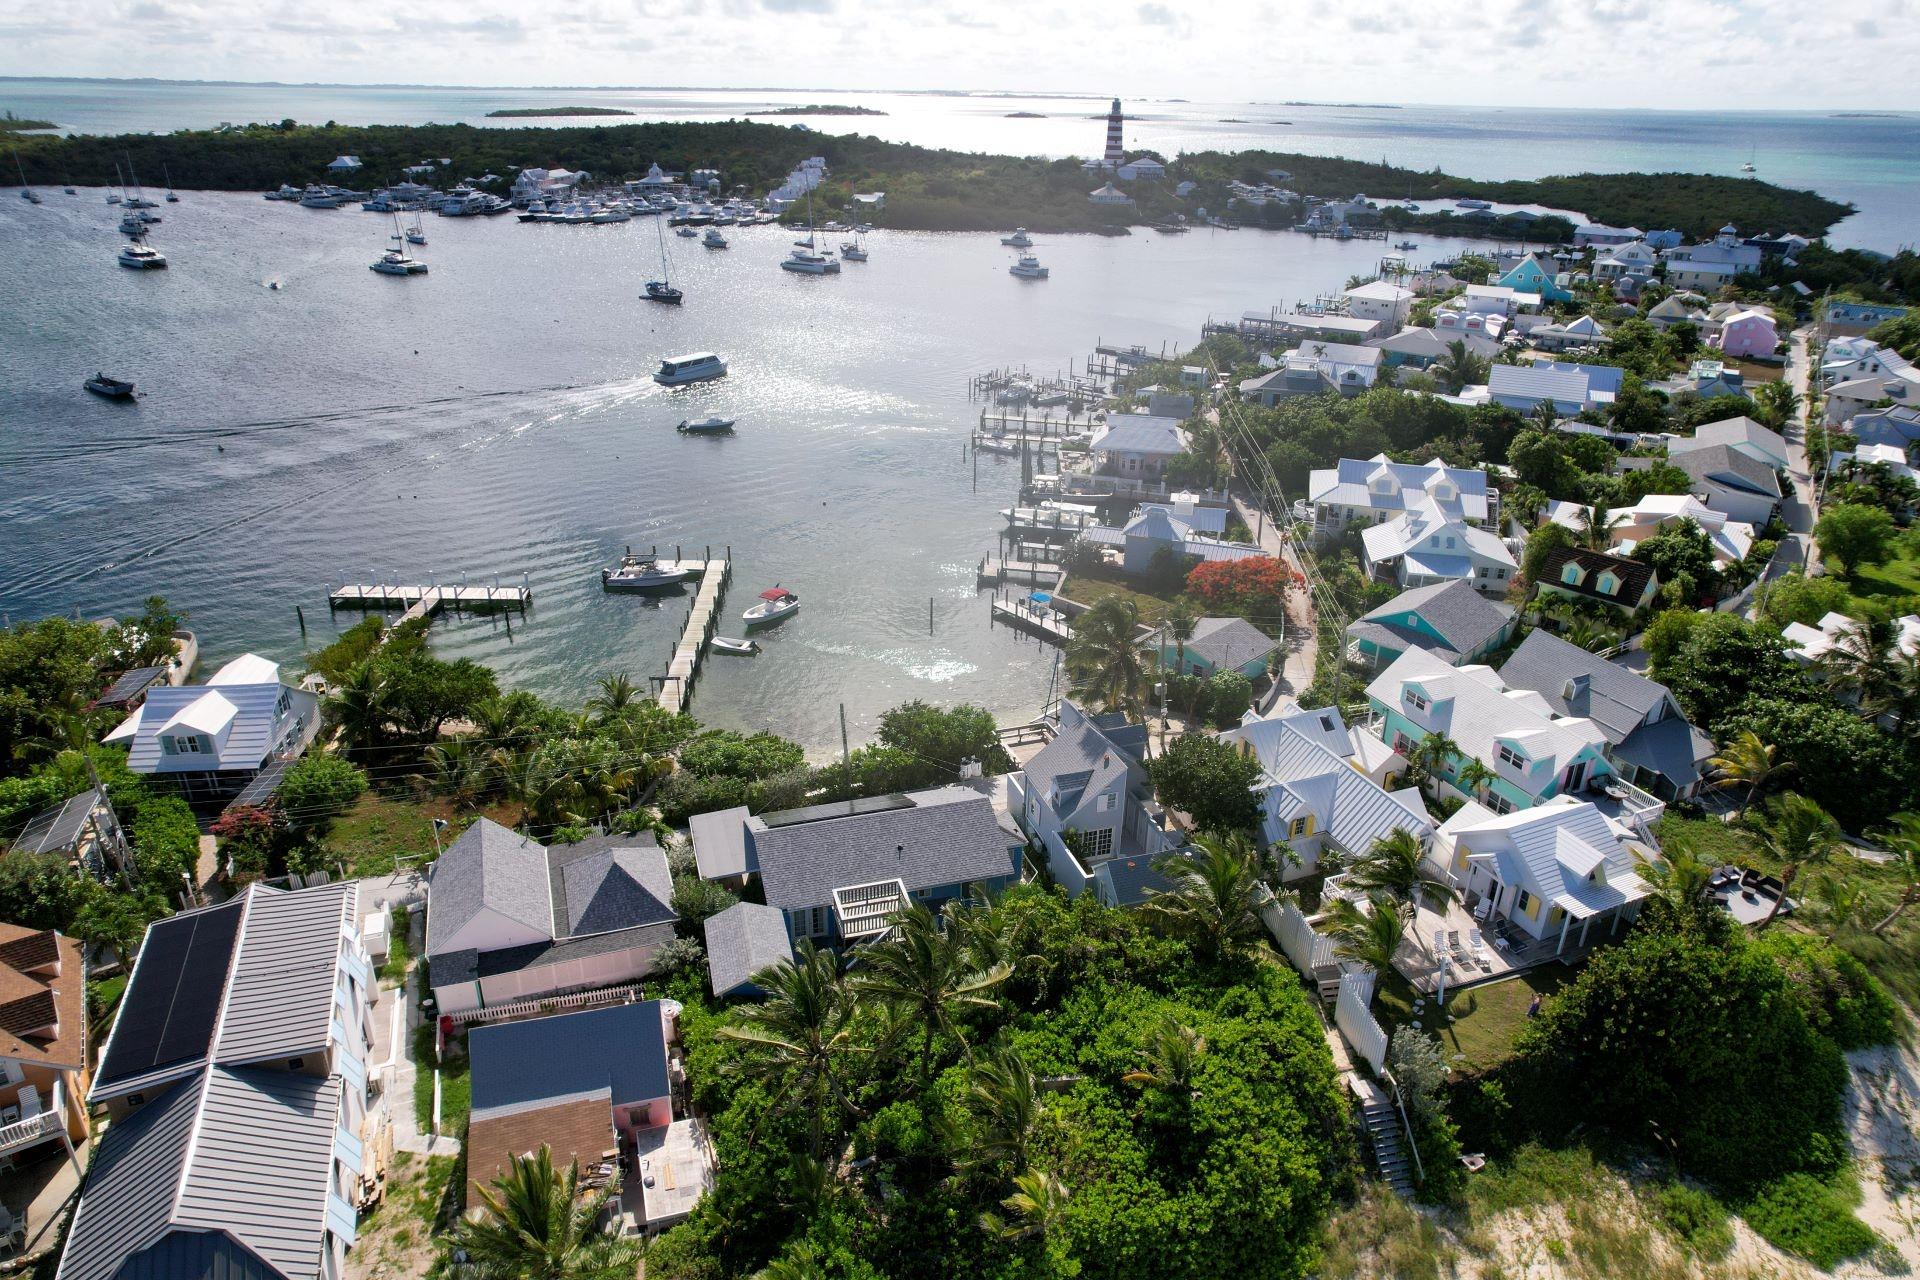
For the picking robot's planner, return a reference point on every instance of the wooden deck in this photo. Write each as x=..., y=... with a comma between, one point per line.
x=1038, y=573
x=423, y=600
x=1045, y=623
x=674, y=690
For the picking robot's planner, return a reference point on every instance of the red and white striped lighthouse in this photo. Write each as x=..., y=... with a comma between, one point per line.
x=1115, y=156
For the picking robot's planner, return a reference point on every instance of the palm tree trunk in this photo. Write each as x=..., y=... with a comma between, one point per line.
x=1786, y=883
x=1899, y=909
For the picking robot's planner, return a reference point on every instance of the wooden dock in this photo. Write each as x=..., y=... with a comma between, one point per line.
x=1038, y=573
x=423, y=600
x=1045, y=623
x=674, y=690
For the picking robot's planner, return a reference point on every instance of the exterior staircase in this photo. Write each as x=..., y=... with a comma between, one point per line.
x=1382, y=1122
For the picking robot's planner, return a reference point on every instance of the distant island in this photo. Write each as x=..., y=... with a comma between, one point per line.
x=10, y=123
x=818, y=111
x=928, y=189
x=1026, y=115
x=511, y=113
x=1868, y=115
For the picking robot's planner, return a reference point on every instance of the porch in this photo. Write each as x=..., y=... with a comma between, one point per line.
x=35, y=1195
x=1475, y=940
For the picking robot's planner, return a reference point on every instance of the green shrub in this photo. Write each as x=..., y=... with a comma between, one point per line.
x=166, y=843
x=317, y=789
x=1809, y=1218
x=1696, y=1217
x=1842, y=1000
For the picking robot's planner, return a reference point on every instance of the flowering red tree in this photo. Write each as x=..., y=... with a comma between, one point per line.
x=1254, y=588
x=246, y=833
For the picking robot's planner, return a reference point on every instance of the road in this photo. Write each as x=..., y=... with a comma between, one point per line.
x=1798, y=510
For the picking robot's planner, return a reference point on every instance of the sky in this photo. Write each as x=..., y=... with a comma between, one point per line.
x=1736, y=54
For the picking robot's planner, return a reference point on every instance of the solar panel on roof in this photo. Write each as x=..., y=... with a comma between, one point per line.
x=169, y=1011
x=836, y=809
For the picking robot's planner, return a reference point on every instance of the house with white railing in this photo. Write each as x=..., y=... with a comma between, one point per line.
x=213, y=740
x=235, y=1076
x=1085, y=797
x=43, y=1043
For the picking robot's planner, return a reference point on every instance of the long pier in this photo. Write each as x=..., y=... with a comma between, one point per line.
x=674, y=690
x=423, y=600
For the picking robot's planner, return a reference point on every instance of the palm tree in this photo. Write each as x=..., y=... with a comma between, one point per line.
x=1581, y=633
x=1429, y=758
x=1679, y=878
x=1747, y=762
x=1596, y=524
x=1800, y=833
x=460, y=768
x=1216, y=893
x=1006, y=1104
x=538, y=1224
x=1180, y=624
x=1366, y=937
x=1395, y=868
x=1840, y=901
x=617, y=693
x=932, y=974
x=1105, y=663
x=359, y=707
x=801, y=1261
x=1037, y=1208
x=1777, y=402
x=1460, y=367
x=803, y=1033
x=1174, y=1053
x=1902, y=839
x=1865, y=662
x=1474, y=777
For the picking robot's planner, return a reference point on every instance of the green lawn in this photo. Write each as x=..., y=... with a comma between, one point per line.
x=382, y=828
x=1091, y=589
x=399, y=949
x=456, y=1089
x=1899, y=577
x=1481, y=1023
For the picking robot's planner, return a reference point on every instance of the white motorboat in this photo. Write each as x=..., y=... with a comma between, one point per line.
x=320, y=198
x=1028, y=268
x=807, y=262
x=142, y=256
x=996, y=444
x=687, y=230
x=706, y=427
x=612, y=213
x=1019, y=239
x=646, y=573
x=284, y=192
x=713, y=239
x=727, y=644
x=676, y=371
x=775, y=604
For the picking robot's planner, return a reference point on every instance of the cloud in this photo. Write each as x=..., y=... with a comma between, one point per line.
x=797, y=6
x=1157, y=15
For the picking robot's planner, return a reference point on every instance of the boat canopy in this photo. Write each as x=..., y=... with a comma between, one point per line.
x=1041, y=597
x=775, y=593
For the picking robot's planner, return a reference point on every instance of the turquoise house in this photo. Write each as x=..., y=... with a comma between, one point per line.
x=1530, y=275
x=1531, y=753
x=1448, y=619
x=1219, y=644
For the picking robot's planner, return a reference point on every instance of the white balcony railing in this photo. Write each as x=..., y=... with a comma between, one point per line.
x=37, y=1128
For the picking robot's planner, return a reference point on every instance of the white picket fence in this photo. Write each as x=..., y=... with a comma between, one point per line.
x=1291, y=930
x=550, y=1004
x=1356, y=1021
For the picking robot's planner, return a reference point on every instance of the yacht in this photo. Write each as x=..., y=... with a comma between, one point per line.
x=713, y=239
x=1019, y=239
x=142, y=256
x=706, y=427
x=775, y=603
x=662, y=290
x=612, y=213
x=394, y=262
x=536, y=211
x=677, y=371
x=646, y=573
x=111, y=388
x=1028, y=268
x=1406, y=245
x=807, y=262
x=319, y=198
x=1472, y=204
x=283, y=192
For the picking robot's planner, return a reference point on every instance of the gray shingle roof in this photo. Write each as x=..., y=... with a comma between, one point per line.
x=1228, y=643
x=1616, y=699
x=1141, y=433
x=242, y=1153
x=948, y=837
x=1465, y=619
x=721, y=849
x=741, y=941
x=607, y=883
x=488, y=867
x=1730, y=466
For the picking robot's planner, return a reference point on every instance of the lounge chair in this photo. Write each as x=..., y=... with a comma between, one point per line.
x=1479, y=951
x=1457, y=949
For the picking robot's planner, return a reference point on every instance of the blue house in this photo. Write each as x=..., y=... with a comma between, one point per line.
x=1530, y=275
x=1218, y=644
x=1450, y=620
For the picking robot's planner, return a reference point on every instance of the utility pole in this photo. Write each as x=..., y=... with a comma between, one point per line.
x=846, y=756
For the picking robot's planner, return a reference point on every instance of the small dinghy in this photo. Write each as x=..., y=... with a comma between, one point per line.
x=706, y=427
x=775, y=603
x=112, y=388
x=726, y=644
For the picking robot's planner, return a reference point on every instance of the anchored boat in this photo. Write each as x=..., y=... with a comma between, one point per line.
x=726, y=644
x=112, y=388
x=706, y=427
x=645, y=573
x=775, y=604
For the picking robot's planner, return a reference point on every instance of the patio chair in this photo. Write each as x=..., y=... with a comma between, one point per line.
x=1475, y=945
x=1483, y=909
x=1457, y=949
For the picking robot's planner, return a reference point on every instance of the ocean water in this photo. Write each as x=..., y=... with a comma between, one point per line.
x=496, y=418
x=1865, y=159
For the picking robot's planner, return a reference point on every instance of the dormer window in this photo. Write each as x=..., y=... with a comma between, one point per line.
x=1571, y=575
x=1512, y=758
x=1416, y=700
x=1608, y=583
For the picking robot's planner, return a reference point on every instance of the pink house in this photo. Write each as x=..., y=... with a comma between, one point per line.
x=1746, y=334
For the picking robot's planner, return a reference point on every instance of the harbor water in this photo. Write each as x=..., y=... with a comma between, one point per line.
x=304, y=421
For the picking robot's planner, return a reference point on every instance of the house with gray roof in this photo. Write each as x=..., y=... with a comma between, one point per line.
x=1648, y=736
x=511, y=919
x=1525, y=387
x=1218, y=644
x=1138, y=444
x=1421, y=348
x=1448, y=619
x=839, y=871
x=236, y=1077
x=1733, y=482
x=1085, y=797
x=1757, y=441
x=1315, y=797
x=212, y=740
x=743, y=940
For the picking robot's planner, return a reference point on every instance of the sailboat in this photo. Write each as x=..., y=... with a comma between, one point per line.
x=662, y=290
x=1748, y=166
x=27, y=193
x=171, y=198
x=416, y=234
x=853, y=250
x=138, y=198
